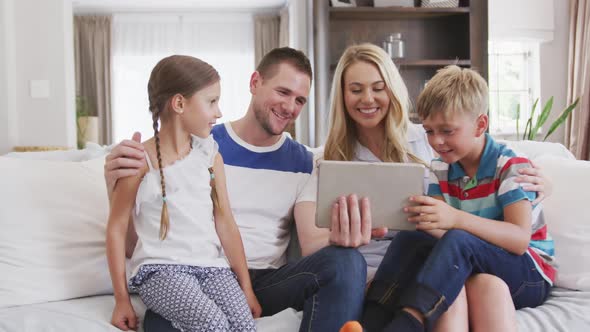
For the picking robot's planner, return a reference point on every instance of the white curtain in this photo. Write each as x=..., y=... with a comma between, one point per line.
x=140, y=40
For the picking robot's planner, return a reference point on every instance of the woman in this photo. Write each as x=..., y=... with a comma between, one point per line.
x=369, y=122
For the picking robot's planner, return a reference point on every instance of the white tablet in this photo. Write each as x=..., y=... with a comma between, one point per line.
x=387, y=185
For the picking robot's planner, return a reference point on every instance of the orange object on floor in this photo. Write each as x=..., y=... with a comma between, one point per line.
x=351, y=326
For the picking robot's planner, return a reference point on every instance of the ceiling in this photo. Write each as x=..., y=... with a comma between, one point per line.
x=173, y=5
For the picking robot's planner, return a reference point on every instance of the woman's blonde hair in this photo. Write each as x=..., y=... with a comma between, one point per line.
x=342, y=135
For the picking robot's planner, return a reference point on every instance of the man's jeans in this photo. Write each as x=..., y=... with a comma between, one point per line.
x=422, y=272
x=328, y=286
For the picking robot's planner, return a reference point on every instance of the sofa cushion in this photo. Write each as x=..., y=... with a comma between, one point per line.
x=53, y=223
x=535, y=149
x=567, y=214
x=91, y=151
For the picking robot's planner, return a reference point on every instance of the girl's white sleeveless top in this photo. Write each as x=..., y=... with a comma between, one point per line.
x=191, y=238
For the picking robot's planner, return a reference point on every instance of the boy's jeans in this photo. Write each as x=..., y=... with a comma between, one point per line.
x=328, y=286
x=427, y=274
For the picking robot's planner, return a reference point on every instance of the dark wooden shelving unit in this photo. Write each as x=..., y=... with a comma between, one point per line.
x=425, y=63
x=433, y=38
x=432, y=63
x=388, y=13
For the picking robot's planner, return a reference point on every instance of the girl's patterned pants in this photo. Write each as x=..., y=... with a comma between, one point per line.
x=194, y=298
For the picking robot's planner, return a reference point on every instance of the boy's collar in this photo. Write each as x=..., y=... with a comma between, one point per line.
x=487, y=163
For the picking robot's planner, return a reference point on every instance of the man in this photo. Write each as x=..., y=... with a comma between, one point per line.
x=267, y=175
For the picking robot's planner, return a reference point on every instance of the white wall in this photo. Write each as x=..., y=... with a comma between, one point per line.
x=554, y=62
x=37, y=45
x=8, y=121
x=509, y=19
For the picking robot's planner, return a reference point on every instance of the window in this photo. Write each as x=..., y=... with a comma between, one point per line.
x=513, y=79
x=226, y=41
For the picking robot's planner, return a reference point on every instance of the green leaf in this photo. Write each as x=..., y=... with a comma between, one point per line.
x=544, y=115
x=531, y=134
x=527, y=129
x=517, y=119
x=561, y=119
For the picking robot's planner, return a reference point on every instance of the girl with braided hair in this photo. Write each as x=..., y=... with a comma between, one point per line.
x=188, y=264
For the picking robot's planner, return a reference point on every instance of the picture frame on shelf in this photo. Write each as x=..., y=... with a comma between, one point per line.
x=343, y=3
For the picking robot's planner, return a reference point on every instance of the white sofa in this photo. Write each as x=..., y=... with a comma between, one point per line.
x=54, y=275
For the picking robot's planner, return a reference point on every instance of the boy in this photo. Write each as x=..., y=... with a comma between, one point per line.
x=476, y=220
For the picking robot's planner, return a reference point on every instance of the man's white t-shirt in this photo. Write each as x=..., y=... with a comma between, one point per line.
x=264, y=184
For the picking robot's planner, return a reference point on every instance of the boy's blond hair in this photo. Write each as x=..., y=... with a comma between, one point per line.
x=454, y=89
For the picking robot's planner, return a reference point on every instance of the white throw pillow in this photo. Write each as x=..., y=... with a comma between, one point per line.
x=52, y=230
x=536, y=149
x=567, y=214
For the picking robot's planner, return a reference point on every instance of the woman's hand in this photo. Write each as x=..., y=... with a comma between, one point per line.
x=255, y=307
x=124, y=317
x=534, y=180
x=351, y=222
x=431, y=213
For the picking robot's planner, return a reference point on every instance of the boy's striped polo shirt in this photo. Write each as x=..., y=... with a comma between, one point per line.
x=490, y=191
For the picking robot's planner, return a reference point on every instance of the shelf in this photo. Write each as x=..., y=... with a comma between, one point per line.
x=386, y=13
x=432, y=63
x=426, y=63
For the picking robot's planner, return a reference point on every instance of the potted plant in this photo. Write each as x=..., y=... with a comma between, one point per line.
x=531, y=131
x=86, y=124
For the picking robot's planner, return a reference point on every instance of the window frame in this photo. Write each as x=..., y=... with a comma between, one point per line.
x=530, y=72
